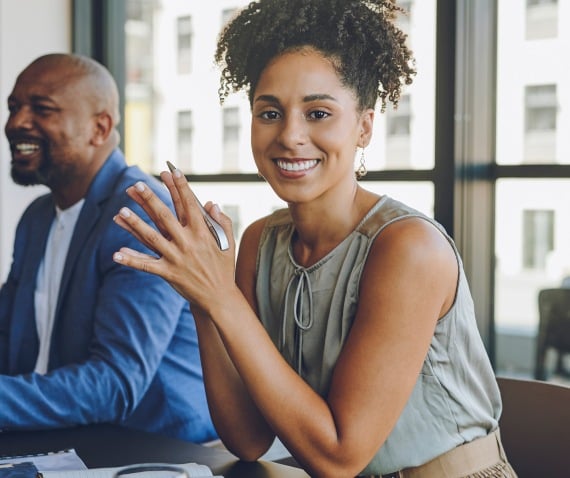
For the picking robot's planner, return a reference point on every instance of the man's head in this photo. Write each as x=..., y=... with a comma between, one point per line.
x=62, y=122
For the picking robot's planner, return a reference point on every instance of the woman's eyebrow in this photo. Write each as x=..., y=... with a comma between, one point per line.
x=318, y=97
x=267, y=99
x=306, y=99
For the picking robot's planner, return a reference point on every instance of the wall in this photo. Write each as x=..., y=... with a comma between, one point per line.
x=27, y=30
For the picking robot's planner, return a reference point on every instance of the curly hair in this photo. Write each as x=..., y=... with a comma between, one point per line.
x=359, y=37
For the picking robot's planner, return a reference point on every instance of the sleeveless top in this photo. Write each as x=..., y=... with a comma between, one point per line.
x=308, y=313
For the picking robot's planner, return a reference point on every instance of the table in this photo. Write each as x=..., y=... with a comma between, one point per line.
x=111, y=445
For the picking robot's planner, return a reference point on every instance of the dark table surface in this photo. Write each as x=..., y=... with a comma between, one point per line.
x=110, y=446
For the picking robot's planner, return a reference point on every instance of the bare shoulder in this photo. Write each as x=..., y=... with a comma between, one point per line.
x=413, y=254
x=416, y=236
x=252, y=235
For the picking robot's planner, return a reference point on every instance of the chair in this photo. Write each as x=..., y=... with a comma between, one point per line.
x=553, y=329
x=535, y=427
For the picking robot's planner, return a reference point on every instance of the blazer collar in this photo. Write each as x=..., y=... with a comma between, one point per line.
x=100, y=190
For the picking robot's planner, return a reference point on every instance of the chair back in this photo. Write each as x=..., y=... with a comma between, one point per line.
x=535, y=427
x=553, y=328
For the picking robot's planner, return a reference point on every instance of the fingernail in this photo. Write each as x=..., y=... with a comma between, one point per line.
x=125, y=212
x=140, y=186
x=216, y=208
x=177, y=173
x=118, y=256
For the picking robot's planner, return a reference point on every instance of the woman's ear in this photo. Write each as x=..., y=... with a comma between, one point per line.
x=366, y=125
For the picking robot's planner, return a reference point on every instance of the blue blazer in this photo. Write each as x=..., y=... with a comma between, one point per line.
x=124, y=346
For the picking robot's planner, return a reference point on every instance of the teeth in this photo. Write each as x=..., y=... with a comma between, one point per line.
x=26, y=148
x=297, y=165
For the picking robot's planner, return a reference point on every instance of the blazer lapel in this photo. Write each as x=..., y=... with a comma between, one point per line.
x=24, y=337
x=99, y=191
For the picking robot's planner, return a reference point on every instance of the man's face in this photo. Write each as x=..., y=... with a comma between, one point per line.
x=49, y=126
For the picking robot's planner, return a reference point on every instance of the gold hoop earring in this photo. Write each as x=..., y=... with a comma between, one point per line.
x=361, y=170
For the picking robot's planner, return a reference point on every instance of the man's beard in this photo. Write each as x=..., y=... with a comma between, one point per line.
x=42, y=175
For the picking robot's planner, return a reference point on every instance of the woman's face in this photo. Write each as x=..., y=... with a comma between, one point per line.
x=306, y=127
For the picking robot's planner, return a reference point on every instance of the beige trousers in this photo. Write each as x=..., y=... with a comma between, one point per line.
x=481, y=458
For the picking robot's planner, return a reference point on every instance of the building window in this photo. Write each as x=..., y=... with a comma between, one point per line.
x=538, y=237
x=404, y=19
x=185, y=135
x=230, y=140
x=227, y=14
x=398, y=129
x=540, y=123
x=541, y=19
x=184, y=33
x=398, y=120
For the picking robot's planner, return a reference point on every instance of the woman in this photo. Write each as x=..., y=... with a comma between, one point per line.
x=348, y=330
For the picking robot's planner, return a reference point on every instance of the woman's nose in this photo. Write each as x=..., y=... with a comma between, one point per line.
x=294, y=131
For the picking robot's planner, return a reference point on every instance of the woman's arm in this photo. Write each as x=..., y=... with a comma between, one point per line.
x=409, y=281
x=241, y=427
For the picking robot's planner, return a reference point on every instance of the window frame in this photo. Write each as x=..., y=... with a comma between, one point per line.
x=465, y=171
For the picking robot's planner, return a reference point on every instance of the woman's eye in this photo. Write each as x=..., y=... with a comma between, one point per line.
x=269, y=115
x=318, y=115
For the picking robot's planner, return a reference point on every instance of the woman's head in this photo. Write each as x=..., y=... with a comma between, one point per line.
x=359, y=37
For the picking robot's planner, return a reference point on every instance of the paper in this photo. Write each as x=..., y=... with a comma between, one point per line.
x=59, y=460
x=193, y=470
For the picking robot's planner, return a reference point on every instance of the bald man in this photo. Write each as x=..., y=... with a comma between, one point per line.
x=83, y=340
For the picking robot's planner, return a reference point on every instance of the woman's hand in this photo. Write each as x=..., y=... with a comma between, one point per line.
x=188, y=256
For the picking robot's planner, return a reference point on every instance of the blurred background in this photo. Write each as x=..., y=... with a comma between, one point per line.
x=480, y=140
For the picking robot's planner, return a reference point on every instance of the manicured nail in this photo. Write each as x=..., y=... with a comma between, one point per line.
x=118, y=257
x=125, y=212
x=177, y=173
x=140, y=186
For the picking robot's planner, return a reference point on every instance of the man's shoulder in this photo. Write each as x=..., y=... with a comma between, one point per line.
x=133, y=174
x=39, y=205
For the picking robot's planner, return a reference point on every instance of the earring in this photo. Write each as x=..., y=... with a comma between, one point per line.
x=361, y=170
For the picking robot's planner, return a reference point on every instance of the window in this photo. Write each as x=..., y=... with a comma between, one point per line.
x=404, y=21
x=398, y=120
x=139, y=93
x=230, y=138
x=538, y=238
x=488, y=155
x=184, y=119
x=185, y=33
x=227, y=13
x=540, y=108
x=185, y=140
x=532, y=183
x=541, y=19
x=540, y=123
x=398, y=130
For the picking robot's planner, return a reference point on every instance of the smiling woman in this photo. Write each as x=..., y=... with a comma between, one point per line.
x=306, y=130
x=333, y=334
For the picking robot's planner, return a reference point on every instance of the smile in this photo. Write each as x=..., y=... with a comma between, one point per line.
x=296, y=165
x=25, y=149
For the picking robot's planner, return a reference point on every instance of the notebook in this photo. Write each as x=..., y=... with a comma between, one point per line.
x=193, y=470
x=68, y=464
x=57, y=460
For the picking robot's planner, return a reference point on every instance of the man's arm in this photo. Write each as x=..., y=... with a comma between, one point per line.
x=130, y=323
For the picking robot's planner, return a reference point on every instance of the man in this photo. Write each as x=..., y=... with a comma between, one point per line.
x=83, y=340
